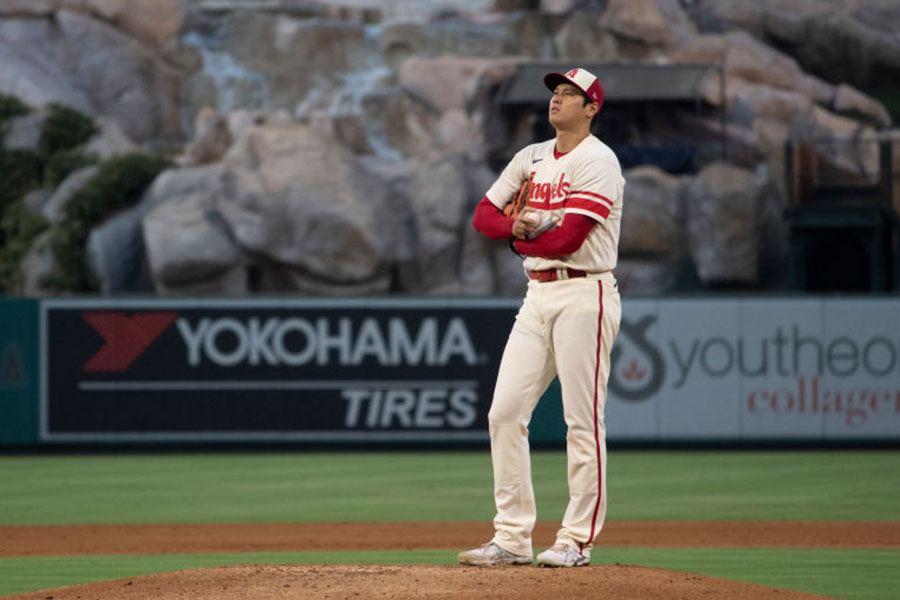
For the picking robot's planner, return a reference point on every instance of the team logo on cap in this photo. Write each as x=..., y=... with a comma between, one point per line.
x=584, y=80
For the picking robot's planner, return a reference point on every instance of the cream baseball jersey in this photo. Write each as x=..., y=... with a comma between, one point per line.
x=587, y=180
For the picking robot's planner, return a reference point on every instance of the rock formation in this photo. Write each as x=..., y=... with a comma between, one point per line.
x=329, y=148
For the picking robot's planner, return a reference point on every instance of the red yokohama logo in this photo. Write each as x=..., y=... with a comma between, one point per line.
x=125, y=338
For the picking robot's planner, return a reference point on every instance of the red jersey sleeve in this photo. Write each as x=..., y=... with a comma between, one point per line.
x=558, y=242
x=491, y=221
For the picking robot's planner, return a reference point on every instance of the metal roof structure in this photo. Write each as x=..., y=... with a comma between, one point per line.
x=621, y=82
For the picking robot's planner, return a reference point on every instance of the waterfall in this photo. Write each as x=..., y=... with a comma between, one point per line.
x=236, y=85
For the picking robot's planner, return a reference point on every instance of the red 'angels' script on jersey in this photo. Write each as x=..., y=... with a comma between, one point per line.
x=545, y=192
x=125, y=337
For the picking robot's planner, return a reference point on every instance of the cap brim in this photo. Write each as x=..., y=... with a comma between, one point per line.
x=551, y=80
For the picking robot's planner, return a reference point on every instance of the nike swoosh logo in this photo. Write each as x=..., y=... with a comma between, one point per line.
x=536, y=160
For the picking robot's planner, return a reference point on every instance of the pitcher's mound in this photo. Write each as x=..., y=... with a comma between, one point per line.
x=361, y=582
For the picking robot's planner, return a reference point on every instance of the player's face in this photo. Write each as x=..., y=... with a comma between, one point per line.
x=567, y=107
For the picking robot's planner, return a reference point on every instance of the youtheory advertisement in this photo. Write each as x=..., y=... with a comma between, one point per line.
x=756, y=369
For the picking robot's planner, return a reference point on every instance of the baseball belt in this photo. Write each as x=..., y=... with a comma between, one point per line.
x=556, y=274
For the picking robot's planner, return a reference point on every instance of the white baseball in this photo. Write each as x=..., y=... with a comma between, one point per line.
x=532, y=218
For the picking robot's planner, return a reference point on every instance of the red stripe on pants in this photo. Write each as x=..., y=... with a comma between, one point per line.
x=596, y=422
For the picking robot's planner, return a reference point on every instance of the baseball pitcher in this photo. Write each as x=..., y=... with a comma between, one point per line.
x=566, y=197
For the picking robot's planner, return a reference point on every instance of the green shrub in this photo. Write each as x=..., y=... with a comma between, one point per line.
x=58, y=154
x=63, y=132
x=11, y=107
x=60, y=165
x=20, y=172
x=64, y=129
x=18, y=228
x=119, y=183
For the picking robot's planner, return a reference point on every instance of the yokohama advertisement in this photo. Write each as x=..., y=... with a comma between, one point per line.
x=424, y=370
x=327, y=370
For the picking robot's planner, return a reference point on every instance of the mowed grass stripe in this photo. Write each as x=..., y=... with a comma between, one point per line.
x=438, y=486
x=854, y=574
x=851, y=574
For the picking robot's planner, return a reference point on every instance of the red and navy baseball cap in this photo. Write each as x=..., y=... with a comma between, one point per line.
x=583, y=79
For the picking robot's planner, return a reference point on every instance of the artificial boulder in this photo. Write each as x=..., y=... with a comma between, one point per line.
x=649, y=22
x=653, y=214
x=153, y=23
x=848, y=41
x=109, y=140
x=640, y=276
x=298, y=199
x=188, y=244
x=212, y=138
x=400, y=123
x=91, y=66
x=116, y=254
x=53, y=209
x=439, y=196
x=401, y=41
x=450, y=82
x=37, y=264
x=850, y=101
x=723, y=210
x=583, y=38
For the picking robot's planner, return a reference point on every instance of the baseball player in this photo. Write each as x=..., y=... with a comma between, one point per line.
x=568, y=234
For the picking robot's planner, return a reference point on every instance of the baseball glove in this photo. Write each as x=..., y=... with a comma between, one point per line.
x=512, y=208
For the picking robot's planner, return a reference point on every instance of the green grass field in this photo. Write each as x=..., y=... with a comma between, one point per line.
x=456, y=486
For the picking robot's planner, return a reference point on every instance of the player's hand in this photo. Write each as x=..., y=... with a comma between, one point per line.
x=527, y=222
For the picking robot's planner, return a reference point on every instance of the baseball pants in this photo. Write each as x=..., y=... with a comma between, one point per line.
x=564, y=329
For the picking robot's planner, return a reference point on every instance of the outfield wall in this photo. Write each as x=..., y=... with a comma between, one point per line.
x=422, y=370
x=19, y=374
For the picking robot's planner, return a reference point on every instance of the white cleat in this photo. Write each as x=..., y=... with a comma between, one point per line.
x=562, y=555
x=490, y=555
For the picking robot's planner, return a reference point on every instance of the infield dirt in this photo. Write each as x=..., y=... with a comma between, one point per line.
x=66, y=540
x=421, y=581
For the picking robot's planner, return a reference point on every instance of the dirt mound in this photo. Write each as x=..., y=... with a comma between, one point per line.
x=281, y=582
